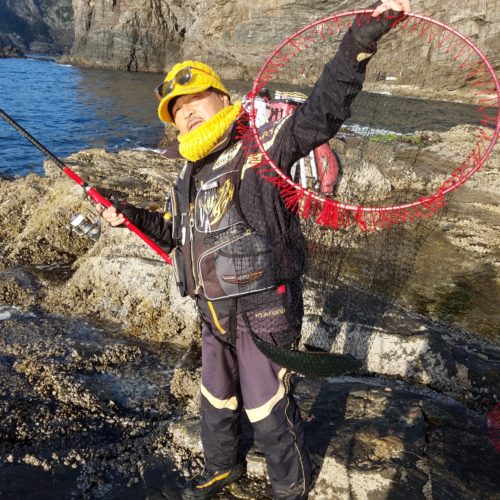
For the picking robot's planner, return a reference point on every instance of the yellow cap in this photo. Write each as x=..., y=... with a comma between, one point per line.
x=203, y=78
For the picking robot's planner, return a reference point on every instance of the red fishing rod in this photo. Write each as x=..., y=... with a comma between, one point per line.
x=94, y=195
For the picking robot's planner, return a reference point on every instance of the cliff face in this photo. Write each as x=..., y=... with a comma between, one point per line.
x=127, y=34
x=37, y=25
x=234, y=36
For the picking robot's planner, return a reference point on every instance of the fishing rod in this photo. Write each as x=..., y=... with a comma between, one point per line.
x=92, y=193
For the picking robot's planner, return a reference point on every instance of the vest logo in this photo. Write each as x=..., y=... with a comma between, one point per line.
x=243, y=279
x=213, y=205
x=227, y=156
x=252, y=162
x=272, y=312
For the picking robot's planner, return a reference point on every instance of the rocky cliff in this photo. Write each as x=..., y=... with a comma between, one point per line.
x=44, y=26
x=11, y=51
x=234, y=36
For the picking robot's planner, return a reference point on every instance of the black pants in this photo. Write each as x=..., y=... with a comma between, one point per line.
x=240, y=376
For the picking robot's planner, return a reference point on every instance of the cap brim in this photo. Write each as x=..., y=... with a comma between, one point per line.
x=163, y=112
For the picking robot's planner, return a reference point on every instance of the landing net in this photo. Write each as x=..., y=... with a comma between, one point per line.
x=361, y=231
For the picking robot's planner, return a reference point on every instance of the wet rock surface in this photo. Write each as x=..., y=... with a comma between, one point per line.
x=406, y=345
x=10, y=51
x=387, y=441
x=99, y=373
x=88, y=413
x=82, y=410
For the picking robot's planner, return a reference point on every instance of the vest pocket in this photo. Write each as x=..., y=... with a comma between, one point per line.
x=238, y=267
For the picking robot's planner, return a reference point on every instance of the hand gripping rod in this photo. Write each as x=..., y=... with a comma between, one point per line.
x=89, y=190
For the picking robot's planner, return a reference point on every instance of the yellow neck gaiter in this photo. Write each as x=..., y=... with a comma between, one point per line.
x=198, y=143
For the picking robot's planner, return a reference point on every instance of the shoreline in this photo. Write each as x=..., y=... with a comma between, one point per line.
x=390, y=89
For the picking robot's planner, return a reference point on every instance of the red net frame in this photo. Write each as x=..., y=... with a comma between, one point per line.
x=337, y=214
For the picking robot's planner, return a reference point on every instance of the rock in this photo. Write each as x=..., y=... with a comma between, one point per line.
x=20, y=287
x=186, y=434
x=142, y=34
x=152, y=36
x=138, y=398
x=400, y=267
x=44, y=27
x=185, y=386
x=141, y=177
x=407, y=345
x=371, y=443
x=169, y=138
x=82, y=410
x=119, y=278
x=10, y=51
x=34, y=218
x=106, y=283
x=367, y=178
x=110, y=287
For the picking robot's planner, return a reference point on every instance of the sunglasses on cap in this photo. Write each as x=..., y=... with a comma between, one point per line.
x=182, y=77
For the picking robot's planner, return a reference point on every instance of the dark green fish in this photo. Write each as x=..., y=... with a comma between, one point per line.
x=311, y=364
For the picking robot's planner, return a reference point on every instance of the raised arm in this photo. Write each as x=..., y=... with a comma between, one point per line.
x=320, y=117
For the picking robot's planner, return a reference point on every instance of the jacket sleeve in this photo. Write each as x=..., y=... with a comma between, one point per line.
x=152, y=224
x=320, y=117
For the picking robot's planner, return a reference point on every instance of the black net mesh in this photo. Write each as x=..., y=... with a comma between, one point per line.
x=353, y=223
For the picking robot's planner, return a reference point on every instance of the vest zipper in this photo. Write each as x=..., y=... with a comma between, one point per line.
x=197, y=284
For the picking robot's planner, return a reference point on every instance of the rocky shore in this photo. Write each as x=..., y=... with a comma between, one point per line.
x=9, y=51
x=99, y=361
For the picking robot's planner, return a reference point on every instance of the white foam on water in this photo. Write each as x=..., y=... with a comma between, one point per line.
x=6, y=312
x=367, y=131
x=154, y=150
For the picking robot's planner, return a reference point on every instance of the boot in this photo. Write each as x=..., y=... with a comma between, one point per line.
x=206, y=485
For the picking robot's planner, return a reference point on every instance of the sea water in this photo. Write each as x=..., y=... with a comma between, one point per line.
x=68, y=109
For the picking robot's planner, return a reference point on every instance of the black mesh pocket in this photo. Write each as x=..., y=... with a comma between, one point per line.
x=241, y=266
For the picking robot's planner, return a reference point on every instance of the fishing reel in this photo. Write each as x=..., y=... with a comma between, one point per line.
x=86, y=223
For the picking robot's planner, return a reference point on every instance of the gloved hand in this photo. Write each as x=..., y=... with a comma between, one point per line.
x=152, y=224
x=367, y=29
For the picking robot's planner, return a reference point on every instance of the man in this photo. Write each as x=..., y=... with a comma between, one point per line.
x=239, y=253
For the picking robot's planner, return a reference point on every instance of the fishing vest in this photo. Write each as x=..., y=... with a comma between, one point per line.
x=218, y=254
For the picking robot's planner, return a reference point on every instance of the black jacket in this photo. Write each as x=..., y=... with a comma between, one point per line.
x=256, y=202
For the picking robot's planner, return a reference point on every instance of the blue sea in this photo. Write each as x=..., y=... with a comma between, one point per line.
x=68, y=109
